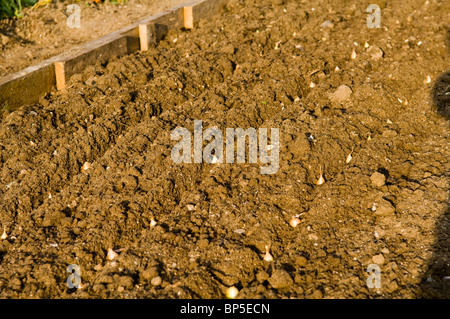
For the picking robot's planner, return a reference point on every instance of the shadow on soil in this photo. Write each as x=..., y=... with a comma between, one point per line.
x=436, y=280
x=8, y=29
x=441, y=95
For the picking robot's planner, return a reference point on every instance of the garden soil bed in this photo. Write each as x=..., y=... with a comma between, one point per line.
x=251, y=67
x=43, y=32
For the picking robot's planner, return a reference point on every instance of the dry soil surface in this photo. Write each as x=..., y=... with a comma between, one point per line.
x=193, y=230
x=44, y=31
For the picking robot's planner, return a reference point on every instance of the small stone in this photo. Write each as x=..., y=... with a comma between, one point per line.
x=384, y=208
x=378, y=179
x=327, y=24
x=86, y=166
x=342, y=94
x=111, y=254
x=294, y=222
x=280, y=279
x=156, y=281
x=232, y=292
x=313, y=237
x=149, y=273
x=378, y=259
x=375, y=53
x=190, y=207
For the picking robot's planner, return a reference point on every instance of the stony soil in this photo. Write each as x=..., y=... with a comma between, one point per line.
x=251, y=67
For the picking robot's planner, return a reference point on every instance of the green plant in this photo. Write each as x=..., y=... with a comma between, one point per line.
x=13, y=8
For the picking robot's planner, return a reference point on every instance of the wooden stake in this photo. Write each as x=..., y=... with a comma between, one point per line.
x=60, y=75
x=188, y=17
x=143, y=37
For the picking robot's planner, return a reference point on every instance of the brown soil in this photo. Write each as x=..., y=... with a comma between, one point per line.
x=252, y=67
x=43, y=31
